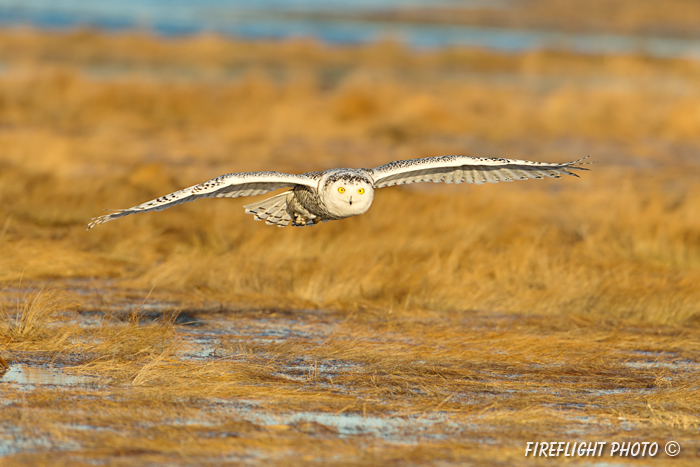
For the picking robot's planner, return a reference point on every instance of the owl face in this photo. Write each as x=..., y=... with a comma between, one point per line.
x=347, y=197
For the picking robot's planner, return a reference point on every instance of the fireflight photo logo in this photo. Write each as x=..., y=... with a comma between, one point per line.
x=598, y=449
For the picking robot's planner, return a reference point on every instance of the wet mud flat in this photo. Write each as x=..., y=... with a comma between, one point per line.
x=208, y=383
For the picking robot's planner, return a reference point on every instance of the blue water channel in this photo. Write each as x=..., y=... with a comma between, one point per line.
x=279, y=19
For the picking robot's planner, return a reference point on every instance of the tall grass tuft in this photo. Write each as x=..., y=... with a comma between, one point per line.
x=35, y=316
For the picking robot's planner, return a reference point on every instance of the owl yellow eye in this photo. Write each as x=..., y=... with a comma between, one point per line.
x=341, y=190
x=361, y=190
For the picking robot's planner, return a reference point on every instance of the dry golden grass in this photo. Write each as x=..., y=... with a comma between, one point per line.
x=29, y=319
x=438, y=382
x=643, y=17
x=451, y=323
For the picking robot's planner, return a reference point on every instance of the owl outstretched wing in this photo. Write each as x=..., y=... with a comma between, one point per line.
x=225, y=186
x=459, y=169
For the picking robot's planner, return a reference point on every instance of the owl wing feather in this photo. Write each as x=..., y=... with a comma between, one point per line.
x=225, y=186
x=459, y=169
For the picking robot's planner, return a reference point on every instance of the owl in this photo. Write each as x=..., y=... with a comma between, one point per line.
x=335, y=194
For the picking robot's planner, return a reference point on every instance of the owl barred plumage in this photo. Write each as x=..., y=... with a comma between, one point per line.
x=336, y=194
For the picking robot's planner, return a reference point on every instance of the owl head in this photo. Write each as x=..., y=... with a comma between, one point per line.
x=347, y=194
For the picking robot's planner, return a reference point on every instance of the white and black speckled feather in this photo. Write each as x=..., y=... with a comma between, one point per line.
x=225, y=186
x=459, y=169
x=339, y=193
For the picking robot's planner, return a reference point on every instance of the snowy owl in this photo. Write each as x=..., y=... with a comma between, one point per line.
x=339, y=193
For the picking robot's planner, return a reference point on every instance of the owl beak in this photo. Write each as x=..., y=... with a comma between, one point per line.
x=351, y=201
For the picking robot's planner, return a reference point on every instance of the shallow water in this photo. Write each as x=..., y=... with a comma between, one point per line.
x=29, y=377
x=273, y=19
x=400, y=429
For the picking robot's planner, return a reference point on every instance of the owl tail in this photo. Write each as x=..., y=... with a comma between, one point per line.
x=273, y=210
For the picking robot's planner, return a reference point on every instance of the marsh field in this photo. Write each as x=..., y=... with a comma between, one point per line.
x=449, y=325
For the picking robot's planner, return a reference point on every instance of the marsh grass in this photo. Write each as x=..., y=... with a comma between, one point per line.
x=643, y=17
x=38, y=316
x=458, y=313
x=436, y=380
